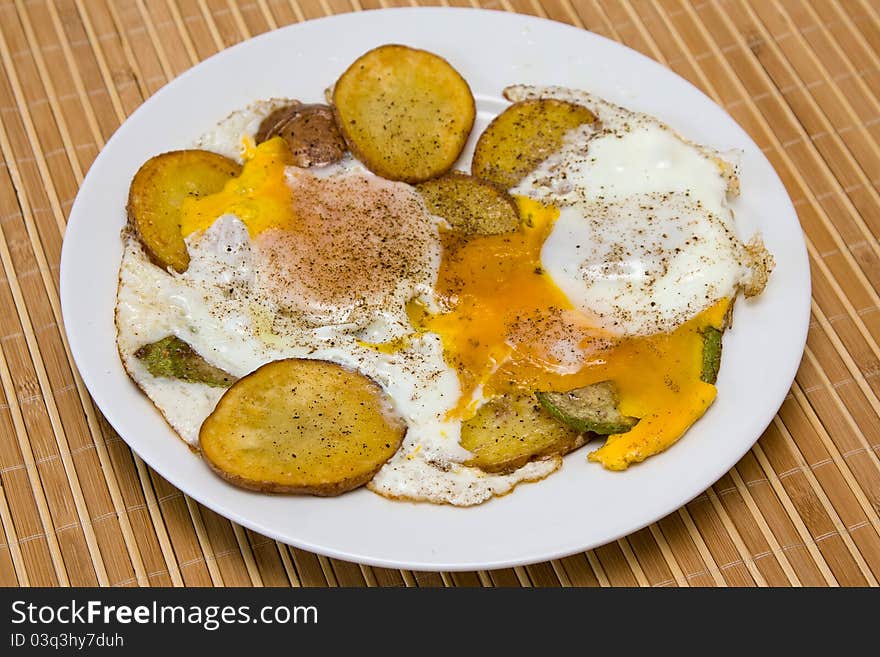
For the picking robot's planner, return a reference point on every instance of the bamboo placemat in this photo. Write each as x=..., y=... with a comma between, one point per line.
x=803, y=78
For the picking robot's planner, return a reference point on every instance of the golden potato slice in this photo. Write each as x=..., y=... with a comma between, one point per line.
x=157, y=192
x=509, y=431
x=405, y=113
x=523, y=136
x=301, y=426
x=309, y=130
x=471, y=206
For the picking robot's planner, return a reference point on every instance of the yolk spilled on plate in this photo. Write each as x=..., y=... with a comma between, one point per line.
x=506, y=326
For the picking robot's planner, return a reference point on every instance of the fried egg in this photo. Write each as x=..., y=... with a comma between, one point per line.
x=317, y=263
x=645, y=239
x=627, y=251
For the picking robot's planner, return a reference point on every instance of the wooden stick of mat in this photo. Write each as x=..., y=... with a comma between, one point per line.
x=289, y=567
x=839, y=526
x=702, y=548
x=78, y=83
x=309, y=567
x=662, y=543
x=204, y=542
x=764, y=526
x=874, y=14
x=327, y=568
x=297, y=11
x=247, y=553
x=581, y=573
x=12, y=540
x=181, y=29
x=835, y=455
x=846, y=357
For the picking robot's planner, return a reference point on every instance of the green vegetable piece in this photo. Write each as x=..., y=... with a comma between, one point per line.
x=173, y=358
x=592, y=408
x=711, y=354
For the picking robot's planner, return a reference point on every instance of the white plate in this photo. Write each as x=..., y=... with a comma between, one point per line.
x=578, y=508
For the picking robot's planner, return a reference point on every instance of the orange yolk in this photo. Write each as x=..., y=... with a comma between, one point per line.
x=259, y=196
x=508, y=327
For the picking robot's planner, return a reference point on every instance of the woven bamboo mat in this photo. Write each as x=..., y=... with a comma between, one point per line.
x=803, y=78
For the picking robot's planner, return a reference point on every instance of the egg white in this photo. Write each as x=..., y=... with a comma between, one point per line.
x=645, y=239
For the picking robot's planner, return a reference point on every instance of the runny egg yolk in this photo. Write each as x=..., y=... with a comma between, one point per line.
x=506, y=326
x=259, y=196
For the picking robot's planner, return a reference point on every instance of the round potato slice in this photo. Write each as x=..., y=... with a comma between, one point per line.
x=309, y=130
x=157, y=192
x=405, y=113
x=523, y=136
x=509, y=431
x=471, y=206
x=301, y=426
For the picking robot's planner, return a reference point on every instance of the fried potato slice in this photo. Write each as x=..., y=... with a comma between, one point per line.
x=301, y=426
x=309, y=130
x=157, y=192
x=509, y=431
x=471, y=206
x=523, y=136
x=405, y=113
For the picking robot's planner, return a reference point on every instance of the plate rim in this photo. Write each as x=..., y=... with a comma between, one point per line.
x=75, y=338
